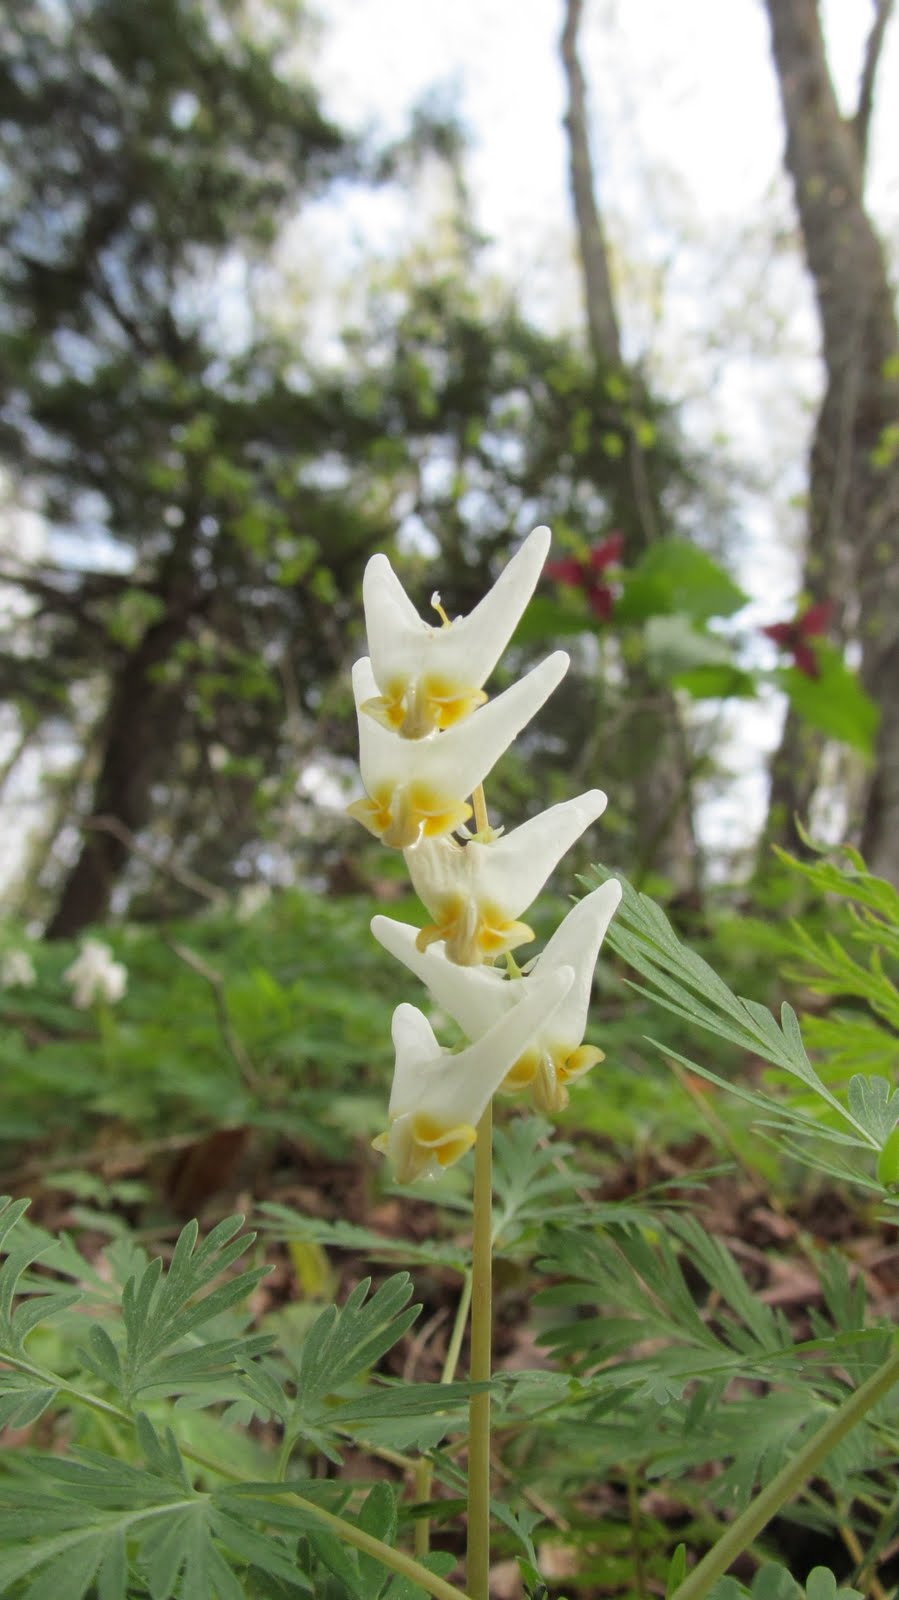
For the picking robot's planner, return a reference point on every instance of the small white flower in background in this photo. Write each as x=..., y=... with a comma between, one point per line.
x=250, y=899
x=476, y=891
x=17, y=970
x=438, y=1098
x=428, y=678
x=95, y=975
x=476, y=997
x=418, y=787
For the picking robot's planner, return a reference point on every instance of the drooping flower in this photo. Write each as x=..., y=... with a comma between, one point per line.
x=438, y=1098
x=251, y=897
x=429, y=678
x=420, y=787
x=554, y=1055
x=587, y=575
x=476, y=891
x=794, y=636
x=95, y=975
x=17, y=970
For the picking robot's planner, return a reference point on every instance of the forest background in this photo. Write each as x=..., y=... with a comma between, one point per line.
x=280, y=290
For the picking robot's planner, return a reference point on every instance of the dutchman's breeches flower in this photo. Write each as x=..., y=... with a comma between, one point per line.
x=476, y=891
x=428, y=678
x=438, y=1098
x=420, y=787
x=96, y=975
x=428, y=737
x=476, y=998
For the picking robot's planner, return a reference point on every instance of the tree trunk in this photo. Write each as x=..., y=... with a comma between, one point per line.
x=852, y=553
x=140, y=736
x=657, y=743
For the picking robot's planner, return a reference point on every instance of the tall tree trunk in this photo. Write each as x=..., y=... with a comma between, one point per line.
x=140, y=735
x=852, y=552
x=657, y=742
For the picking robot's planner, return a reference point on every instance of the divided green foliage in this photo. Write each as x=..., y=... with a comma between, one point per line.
x=841, y=1136
x=672, y=1377
x=331, y=1400
x=163, y=1311
x=151, y=1504
x=65, y=1524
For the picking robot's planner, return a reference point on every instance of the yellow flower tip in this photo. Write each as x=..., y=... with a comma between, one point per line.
x=398, y=816
x=420, y=1144
x=389, y=713
x=579, y=1062
x=521, y=1076
x=554, y=1072
x=448, y=1145
x=373, y=815
x=445, y=821
x=472, y=934
x=451, y=705
x=497, y=936
x=402, y=831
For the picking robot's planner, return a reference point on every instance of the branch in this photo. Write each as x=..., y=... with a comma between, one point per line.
x=605, y=336
x=86, y=587
x=861, y=121
x=171, y=869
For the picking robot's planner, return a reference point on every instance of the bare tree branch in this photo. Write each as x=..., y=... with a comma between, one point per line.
x=169, y=869
x=605, y=335
x=861, y=121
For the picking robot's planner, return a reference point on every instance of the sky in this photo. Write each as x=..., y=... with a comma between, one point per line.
x=687, y=143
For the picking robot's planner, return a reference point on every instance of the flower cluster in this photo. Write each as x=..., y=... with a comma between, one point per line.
x=95, y=975
x=428, y=737
x=17, y=970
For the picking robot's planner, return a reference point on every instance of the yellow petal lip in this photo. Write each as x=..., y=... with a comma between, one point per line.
x=471, y=933
x=400, y=816
x=419, y=708
x=579, y=1062
x=373, y=812
x=448, y=1145
x=522, y=1075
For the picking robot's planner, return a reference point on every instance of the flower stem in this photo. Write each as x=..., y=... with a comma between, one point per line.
x=788, y=1482
x=478, y=1567
x=424, y=1468
x=481, y=819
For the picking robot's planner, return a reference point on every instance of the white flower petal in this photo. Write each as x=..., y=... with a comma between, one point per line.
x=475, y=997
x=475, y=891
x=430, y=677
x=414, y=1042
x=454, y=1089
x=94, y=974
x=417, y=785
x=17, y=970
x=478, y=997
x=576, y=943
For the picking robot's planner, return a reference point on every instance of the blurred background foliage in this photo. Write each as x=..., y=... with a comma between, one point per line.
x=195, y=475
x=199, y=454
